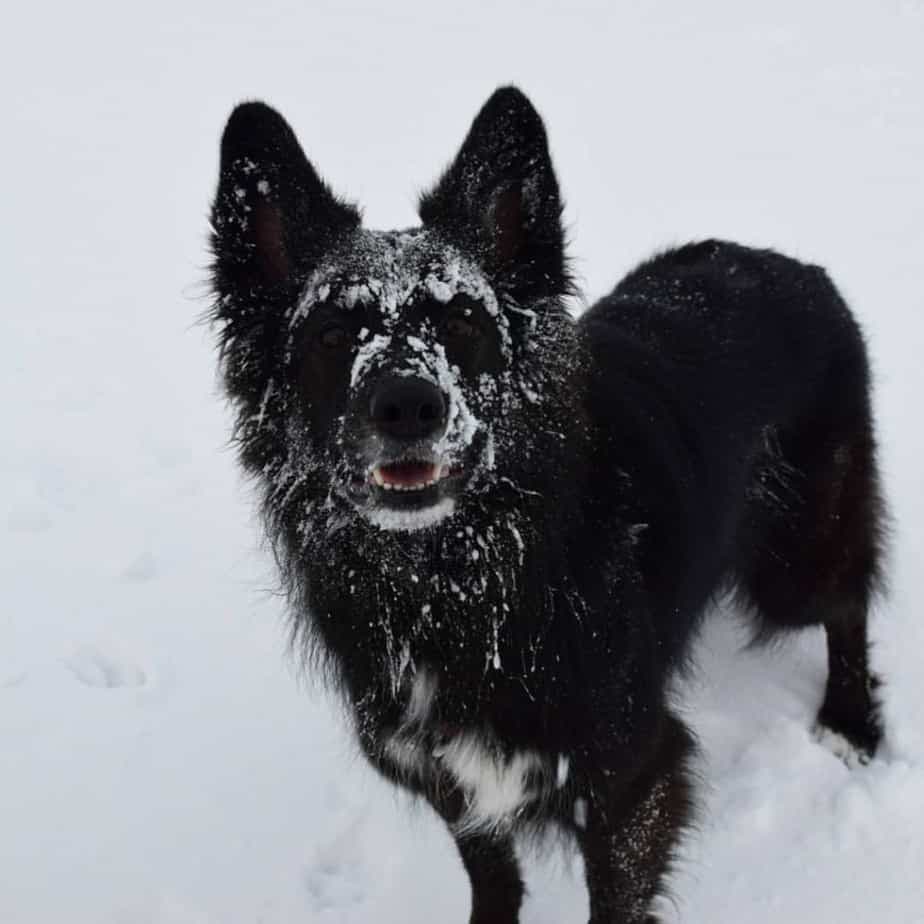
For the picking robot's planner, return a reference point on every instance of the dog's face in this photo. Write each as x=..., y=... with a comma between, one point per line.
x=403, y=340
x=380, y=372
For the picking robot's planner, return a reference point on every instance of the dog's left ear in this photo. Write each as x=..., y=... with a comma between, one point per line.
x=500, y=196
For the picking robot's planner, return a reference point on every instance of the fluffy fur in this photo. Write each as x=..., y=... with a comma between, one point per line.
x=499, y=527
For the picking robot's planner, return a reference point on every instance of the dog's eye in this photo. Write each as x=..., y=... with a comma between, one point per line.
x=458, y=325
x=333, y=337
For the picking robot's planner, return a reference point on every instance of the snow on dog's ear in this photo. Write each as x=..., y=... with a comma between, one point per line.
x=273, y=216
x=500, y=196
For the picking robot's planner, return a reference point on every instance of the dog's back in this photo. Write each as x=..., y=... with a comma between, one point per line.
x=737, y=386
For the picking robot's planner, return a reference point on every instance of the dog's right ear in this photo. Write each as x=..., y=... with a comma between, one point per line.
x=273, y=217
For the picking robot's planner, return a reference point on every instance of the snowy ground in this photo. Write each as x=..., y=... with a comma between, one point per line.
x=160, y=761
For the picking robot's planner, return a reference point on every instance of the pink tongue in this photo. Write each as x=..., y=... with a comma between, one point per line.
x=408, y=474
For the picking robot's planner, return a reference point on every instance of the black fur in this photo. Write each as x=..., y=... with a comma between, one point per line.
x=705, y=425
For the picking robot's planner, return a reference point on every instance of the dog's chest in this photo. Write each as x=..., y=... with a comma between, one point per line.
x=497, y=782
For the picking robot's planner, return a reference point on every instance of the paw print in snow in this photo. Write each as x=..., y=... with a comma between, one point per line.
x=95, y=669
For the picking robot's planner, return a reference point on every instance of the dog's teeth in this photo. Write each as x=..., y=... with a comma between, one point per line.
x=378, y=477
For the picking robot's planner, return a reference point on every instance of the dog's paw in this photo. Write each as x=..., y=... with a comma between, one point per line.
x=850, y=753
x=856, y=723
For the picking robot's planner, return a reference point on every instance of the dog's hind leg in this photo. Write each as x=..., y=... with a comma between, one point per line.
x=850, y=706
x=628, y=830
x=816, y=559
x=490, y=861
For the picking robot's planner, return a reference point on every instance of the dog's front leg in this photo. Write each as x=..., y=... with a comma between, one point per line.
x=489, y=860
x=628, y=830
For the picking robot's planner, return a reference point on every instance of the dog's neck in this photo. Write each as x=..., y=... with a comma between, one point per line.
x=471, y=591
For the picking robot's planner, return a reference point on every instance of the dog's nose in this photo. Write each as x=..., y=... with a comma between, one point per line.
x=407, y=407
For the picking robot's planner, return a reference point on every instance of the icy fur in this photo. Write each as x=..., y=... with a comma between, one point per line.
x=384, y=273
x=373, y=560
x=388, y=269
x=411, y=520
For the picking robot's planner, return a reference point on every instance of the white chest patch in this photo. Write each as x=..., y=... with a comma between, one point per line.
x=496, y=786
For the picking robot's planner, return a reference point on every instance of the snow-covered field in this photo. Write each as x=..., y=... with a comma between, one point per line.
x=161, y=761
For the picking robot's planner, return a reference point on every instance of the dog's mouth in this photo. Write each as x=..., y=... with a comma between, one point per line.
x=409, y=475
x=409, y=485
x=410, y=488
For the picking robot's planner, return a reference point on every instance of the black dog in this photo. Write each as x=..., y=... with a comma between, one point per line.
x=498, y=527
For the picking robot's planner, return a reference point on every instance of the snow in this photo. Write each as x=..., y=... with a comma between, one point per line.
x=392, y=520
x=384, y=272
x=366, y=354
x=162, y=761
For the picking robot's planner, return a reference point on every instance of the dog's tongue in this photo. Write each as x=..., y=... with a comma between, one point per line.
x=410, y=474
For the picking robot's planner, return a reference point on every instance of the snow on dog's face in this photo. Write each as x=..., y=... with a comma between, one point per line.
x=404, y=338
x=374, y=372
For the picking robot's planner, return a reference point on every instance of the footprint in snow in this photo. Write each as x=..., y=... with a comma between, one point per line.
x=337, y=875
x=141, y=568
x=333, y=886
x=28, y=519
x=95, y=669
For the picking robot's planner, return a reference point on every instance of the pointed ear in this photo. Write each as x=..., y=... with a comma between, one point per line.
x=500, y=197
x=273, y=216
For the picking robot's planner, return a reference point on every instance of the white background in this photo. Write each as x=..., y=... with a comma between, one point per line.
x=160, y=760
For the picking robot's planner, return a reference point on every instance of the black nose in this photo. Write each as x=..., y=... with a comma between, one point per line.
x=407, y=407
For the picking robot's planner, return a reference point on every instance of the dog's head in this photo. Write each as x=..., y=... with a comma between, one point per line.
x=379, y=373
